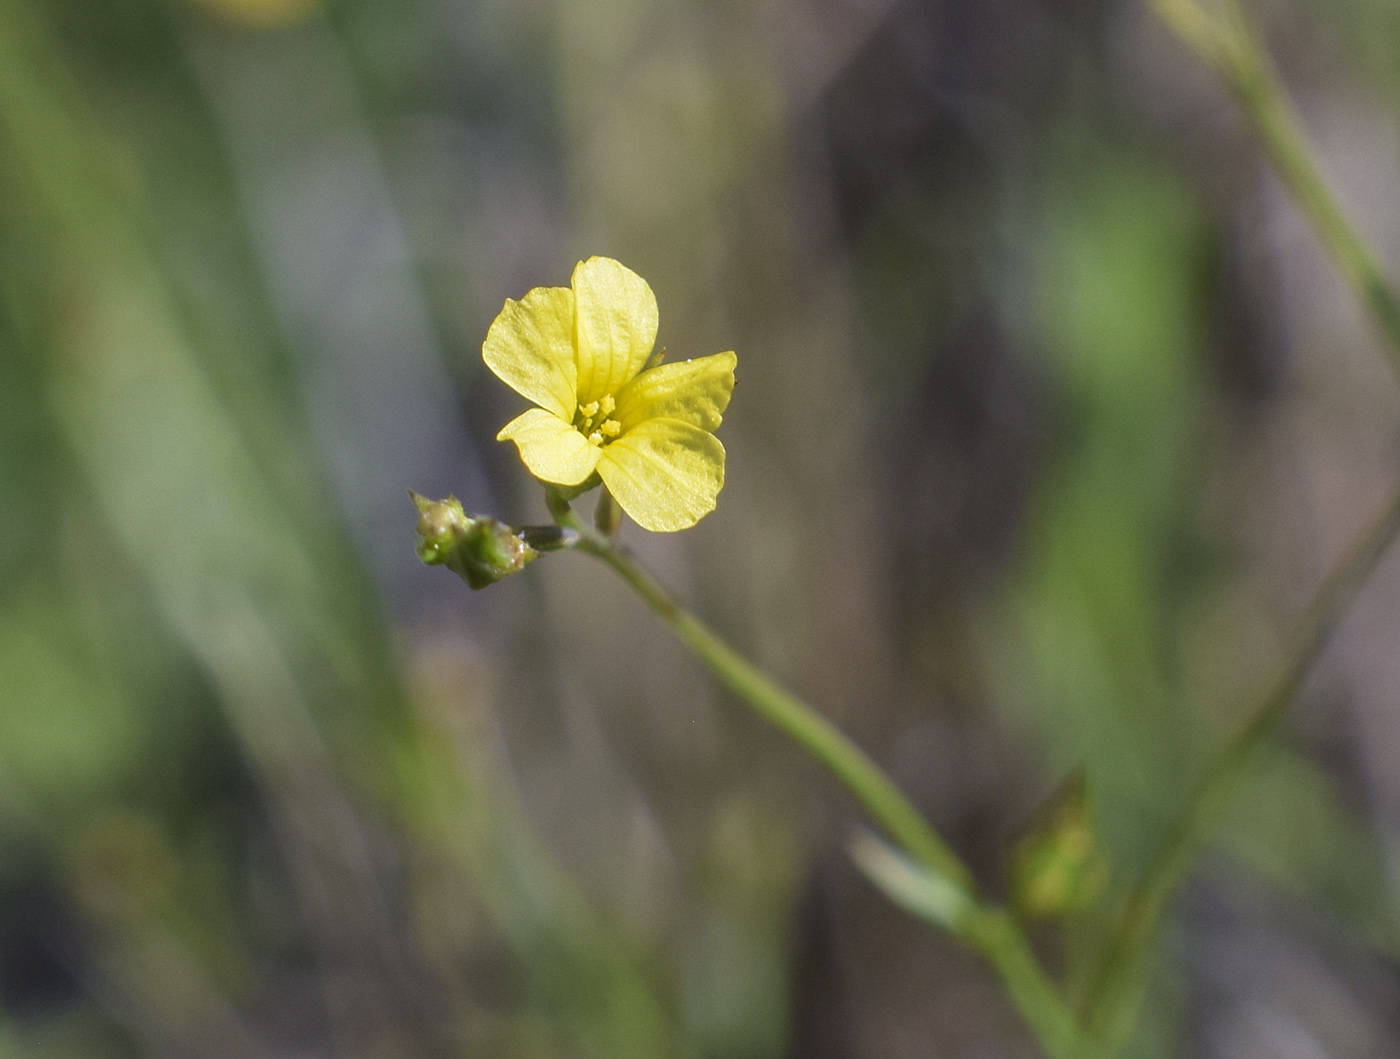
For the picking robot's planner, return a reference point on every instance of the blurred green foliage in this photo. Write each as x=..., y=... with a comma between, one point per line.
x=251, y=799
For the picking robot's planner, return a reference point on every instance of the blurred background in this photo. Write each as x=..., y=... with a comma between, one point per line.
x=1050, y=418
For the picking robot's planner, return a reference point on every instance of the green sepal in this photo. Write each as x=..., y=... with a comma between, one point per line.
x=479, y=549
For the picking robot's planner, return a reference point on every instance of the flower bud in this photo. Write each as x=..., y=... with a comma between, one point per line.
x=1057, y=866
x=479, y=549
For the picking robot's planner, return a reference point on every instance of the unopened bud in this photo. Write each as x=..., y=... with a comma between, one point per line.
x=479, y=549
x=1057, y=866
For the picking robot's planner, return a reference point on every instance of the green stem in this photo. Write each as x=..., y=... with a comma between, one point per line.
x=1232, y=50
x=1119, y=982
x=813, y=732
x=1004, y=946
x=1230, y=47
x=987, y=928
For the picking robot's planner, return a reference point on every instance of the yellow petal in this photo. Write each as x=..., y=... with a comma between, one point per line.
x=665, y=473
x=530, y=347
x=616, y=326
x=552, y=449
x=693, y=391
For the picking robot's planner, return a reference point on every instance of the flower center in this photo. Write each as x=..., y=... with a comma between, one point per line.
x=593, y=420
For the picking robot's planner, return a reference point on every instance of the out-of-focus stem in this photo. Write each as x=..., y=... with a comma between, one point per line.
x=1229, y=46
x=1118, y=984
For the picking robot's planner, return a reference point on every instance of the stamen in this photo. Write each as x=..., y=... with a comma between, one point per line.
x=591, y=420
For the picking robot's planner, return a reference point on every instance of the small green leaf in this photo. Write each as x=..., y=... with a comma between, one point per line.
x=915, y=888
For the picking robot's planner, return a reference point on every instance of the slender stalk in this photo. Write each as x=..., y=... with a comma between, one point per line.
x=1003, y=945
x=985, y=927
x=1119, y=982
x=1230, y=47
x=809, y=729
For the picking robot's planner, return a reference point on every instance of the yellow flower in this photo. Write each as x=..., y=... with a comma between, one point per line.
x=579, y=353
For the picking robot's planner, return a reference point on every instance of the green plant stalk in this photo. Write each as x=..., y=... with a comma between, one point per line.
x=813, y=732
x=990, y=930
x=1120, y=979
x=1002, y=943
x=987, y=928
x=1230, y=47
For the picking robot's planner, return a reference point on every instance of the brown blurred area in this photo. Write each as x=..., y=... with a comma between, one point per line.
x=1050, y=417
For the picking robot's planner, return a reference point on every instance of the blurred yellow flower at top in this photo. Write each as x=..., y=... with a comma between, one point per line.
x=260, y=14
x=581, y=354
